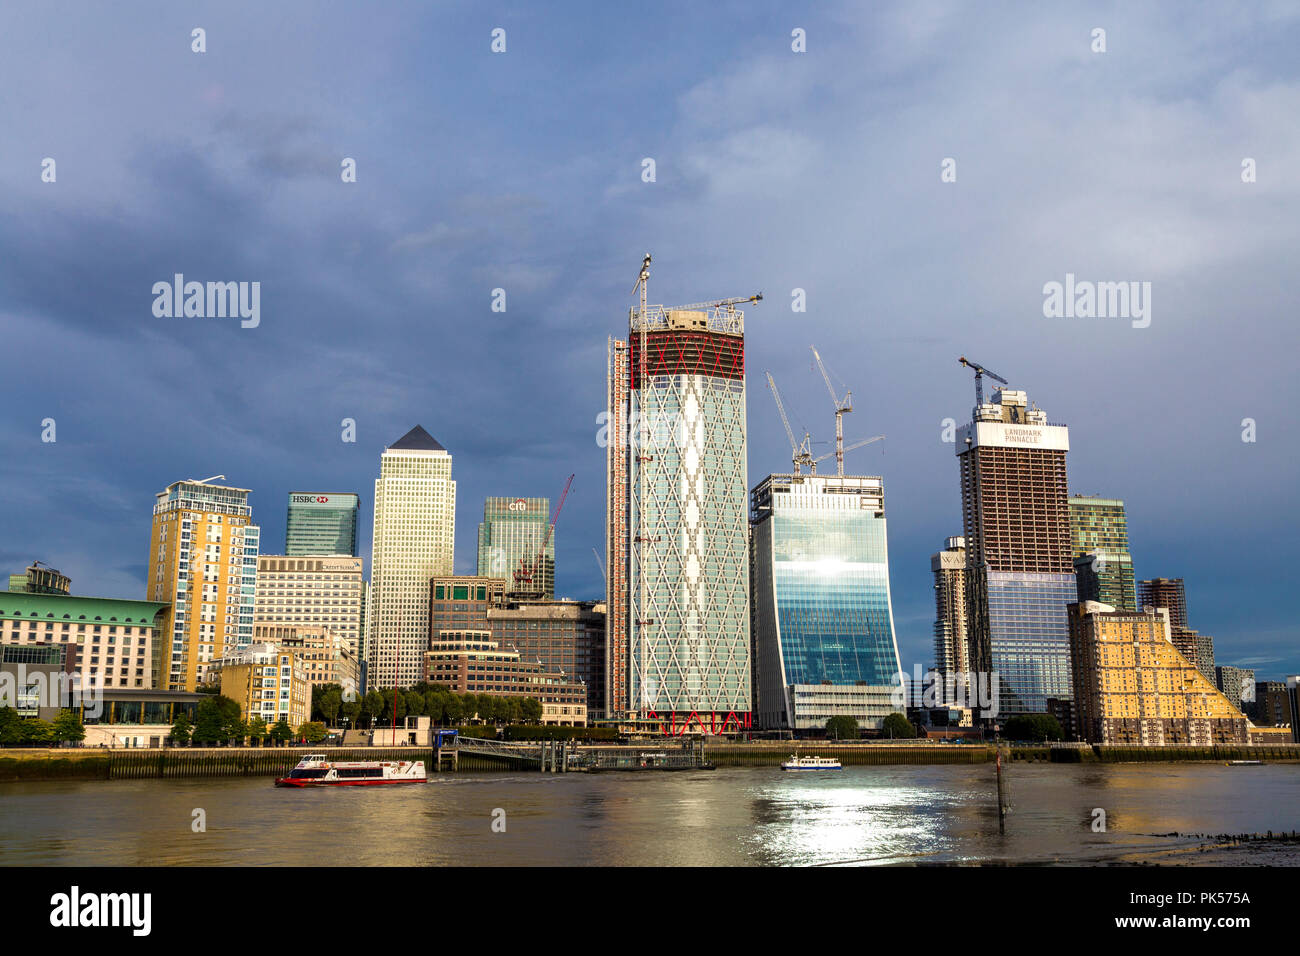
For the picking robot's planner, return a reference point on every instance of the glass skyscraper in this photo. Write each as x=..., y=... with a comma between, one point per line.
x=823, y=624
x=1099, y=540
x=511, y=537
x=321, y=524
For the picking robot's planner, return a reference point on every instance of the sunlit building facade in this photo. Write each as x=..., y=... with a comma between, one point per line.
x=1099, y=542
x=823, y=624
x=513, y=544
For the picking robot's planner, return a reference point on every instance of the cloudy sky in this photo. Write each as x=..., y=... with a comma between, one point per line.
x=774, y=171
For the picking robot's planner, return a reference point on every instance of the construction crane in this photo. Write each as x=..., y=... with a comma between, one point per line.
x=728, y=304
x=601, y=564
x=839, y=453
x=801, y=453
x=980, y=372
x=842, y=405
x=525, y=571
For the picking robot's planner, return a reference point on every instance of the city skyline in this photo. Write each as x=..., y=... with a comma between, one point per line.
x=367, y=283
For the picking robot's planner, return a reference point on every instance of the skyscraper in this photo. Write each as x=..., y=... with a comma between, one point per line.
x=312, y=591
x=414, y=540
x=823, y=623
x=1020, y=573
x=688, y=574
x=321, y=524
x=1165, y=592
x=203, y=561
x=617, y=501
x=1099, y=543
x=951, y=623
x=510, y=537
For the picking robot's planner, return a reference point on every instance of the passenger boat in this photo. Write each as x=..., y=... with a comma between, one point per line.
x=810, y=763
x=315, y=770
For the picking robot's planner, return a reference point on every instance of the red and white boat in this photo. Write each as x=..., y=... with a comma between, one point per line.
x=315, y=770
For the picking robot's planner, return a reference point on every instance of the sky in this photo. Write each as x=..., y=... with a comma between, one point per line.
x=774, y=171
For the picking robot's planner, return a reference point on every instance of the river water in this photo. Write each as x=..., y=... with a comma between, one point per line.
x=728, y=817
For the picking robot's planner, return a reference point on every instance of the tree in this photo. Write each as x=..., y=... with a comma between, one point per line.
x=454, y=708
x=897, y=725
x=329, y=704
x=313, y=731
x=530, y=709
x=181, y=729
x=842, y=728
x=257, y=729
x=1041, y=727
x=281, y=732
x=208, y=724
x=435, y=705
x=11, y=727
x=68, y=727
x=38, y=731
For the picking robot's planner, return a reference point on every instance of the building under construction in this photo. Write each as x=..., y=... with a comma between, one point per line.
x=678, y=515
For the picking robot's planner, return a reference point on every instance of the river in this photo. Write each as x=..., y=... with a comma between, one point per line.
x=729, y=817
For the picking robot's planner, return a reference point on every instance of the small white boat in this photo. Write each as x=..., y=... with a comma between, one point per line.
x=315, y=770
x=810, y=763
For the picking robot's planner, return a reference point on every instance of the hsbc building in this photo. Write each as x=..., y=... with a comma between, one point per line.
x=321, y=523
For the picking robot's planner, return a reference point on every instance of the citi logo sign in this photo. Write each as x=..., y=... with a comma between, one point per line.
x=519, y=504
x=76, y=909
x=211, y=300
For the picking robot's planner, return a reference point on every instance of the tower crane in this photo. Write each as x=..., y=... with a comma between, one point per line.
x=801, y=453
x=728, y=304
x=840, y=453
x=842, y=405
x=525, y=571
x=980, y=372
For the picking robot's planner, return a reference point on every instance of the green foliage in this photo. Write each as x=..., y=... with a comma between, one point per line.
x=68, y=727
x=530, y=710
x=281, y=732
x=479, y=731
x=181, y=729
x=897, y=726
x=1032, y=727
x=257, y=729
x=842, y=728
x=326, y=702
x=313, y=731
x=218, y=719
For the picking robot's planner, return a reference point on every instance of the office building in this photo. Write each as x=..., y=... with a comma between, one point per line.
x=1131, y=686
x=514, y=545
x=203, y=564
x=323, y=656
x=114, y=640
x=619, y=380
x=1099, y=544
x=1237, y=684
x=40, y=579
x=471, y=662
x=565, y=637
x=823, y=622
x=414, y=540
x=688, y=587
x=1020, y=572
x=321, y=523
x=952, y=653
x=312, y=591
x=267, y=682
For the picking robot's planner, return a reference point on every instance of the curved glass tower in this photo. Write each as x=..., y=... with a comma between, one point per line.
x=823, y=623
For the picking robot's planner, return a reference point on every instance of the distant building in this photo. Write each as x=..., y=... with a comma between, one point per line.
x=39, y=680
x=1131, y=686
x=40, y=579
x=203, y=563
x=823, y=623
x=1237, y=684
x=1099, y=543
x=267, y=682
x=460, y=602
x=952, y=653
x=414, y=540
x=114, y=639
x=137, y=717
x=617, y=502
x=1020, y=575
x=312, y=591
x=513, y=544
x=471, y=662
x=1293, y=702
x=321, y=523
x=323, y=656
x=566, y=637
x=1165, y=592
x=1272, y=706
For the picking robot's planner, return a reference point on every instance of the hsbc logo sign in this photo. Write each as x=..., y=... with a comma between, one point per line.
x=313, y=499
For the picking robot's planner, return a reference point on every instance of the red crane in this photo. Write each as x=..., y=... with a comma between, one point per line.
x=525, y=572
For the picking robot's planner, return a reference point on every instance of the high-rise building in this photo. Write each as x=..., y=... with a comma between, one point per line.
x=321, y=523
x=615, y=435
x=1131, y=686
x=1165, y=592
x=823, y=624
x=1099, y=543
x=40, y=579
x=1020, y=575
x=952, y=657
x=471, y=662
x=1272, y=707
x=203, y=562
x=1237, y=684
x=514, y=544
x=688, y=574
x=312, y=591
x=414, y=540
